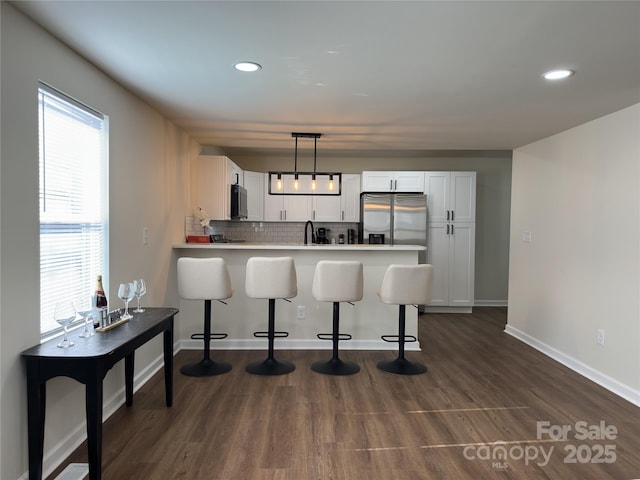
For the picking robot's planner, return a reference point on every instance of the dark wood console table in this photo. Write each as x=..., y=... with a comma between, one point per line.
x=88, y=361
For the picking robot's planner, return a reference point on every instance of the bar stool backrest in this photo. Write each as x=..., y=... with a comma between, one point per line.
x=203, y=279
x=271, y=277
x=407, y=285
x=337, y=281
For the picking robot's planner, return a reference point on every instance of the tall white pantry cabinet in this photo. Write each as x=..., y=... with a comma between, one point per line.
x=451, y=200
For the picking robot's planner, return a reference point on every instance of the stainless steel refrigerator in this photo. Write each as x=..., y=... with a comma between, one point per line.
x=400, y=217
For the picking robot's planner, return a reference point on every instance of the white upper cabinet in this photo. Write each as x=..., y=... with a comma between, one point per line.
x=326, y=208
x=350, y=198
x=451, y=196
x=254, y=183
x=285, y=208
x=214, y=176
x=319, y=208
x=409, y=181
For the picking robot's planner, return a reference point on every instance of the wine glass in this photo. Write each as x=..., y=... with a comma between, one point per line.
x=64, y=313
x=87, y=315
x=141, y=289
x=126, y=292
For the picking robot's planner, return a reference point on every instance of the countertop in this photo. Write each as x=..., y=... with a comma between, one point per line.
x=298, y=246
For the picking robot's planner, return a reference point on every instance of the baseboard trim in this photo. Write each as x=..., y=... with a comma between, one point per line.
x=296, y=344
x=491, y=303
x=430, y=309
x=577, y=366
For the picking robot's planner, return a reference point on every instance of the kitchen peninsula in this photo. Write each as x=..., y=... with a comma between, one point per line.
x=366, y=320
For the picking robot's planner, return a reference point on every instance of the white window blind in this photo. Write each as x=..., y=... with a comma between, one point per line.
x=73, y=202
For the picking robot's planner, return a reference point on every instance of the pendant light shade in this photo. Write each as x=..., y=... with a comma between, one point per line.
x=305, y=183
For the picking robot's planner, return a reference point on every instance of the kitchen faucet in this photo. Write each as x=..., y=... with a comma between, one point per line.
x=313, y=235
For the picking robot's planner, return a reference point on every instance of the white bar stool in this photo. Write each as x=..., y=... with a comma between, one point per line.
x=336, y=281
x=204, y=279
x=405, y=285
x=271, y=278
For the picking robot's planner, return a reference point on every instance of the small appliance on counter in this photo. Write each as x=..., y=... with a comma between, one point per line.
x=376, y=238
x=351, y=236
x=322, y=235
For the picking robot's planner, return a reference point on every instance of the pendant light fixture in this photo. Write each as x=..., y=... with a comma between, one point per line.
x=305, y=183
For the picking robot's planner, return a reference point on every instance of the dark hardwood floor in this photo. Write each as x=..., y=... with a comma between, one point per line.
x=485, y=393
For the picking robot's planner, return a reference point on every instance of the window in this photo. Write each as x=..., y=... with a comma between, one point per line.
x=73, y=202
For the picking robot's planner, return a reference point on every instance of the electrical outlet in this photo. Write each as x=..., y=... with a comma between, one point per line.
x=600, y=336
x=300, y=312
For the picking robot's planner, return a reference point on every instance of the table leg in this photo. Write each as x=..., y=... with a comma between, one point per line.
x=93, y=396
x=168, y=364
x=128, y=378
x=36, y=402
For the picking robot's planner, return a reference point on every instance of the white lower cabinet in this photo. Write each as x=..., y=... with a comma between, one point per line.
x=451, y=251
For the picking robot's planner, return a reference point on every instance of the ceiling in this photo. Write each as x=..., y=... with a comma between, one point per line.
x=382, y=75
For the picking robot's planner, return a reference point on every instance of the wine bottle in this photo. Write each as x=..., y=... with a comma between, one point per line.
x=101, y=304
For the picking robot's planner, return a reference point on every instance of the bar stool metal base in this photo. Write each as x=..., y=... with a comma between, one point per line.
x=402, y=366
x=271, y=366
x=205, y=368
x=335, y=366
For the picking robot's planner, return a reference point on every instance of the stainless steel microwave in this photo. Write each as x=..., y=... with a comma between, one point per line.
x=238, y=202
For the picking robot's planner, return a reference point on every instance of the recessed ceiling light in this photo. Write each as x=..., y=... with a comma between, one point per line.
x=557, y=74
x=247, y=66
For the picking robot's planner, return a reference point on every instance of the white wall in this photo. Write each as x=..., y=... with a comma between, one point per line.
x=149, y=171
x=578, y=193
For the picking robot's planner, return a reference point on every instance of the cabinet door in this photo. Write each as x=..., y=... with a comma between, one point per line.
x=438, y=256
x=273, y=205
x=437, y=190
x=254, y=183
x=235, y=174
x=463, y=196
x=350, y=198
x=408, y=182
x=462, y=265
x=326, y=209
x=210, y=184
x=297, y=208
x=377, y=181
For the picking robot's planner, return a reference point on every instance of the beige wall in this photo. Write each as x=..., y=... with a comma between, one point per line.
x=148, y=168
x=493, y=197
x=578, y=193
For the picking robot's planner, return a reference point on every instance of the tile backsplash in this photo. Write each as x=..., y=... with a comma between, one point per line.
x=265, y=232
